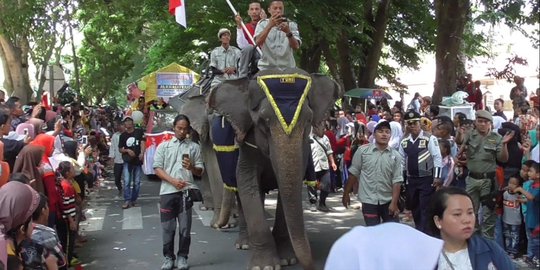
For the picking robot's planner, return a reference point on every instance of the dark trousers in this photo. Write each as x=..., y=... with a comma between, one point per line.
x=373, y=213
x=67, y=238
x=176, y=207
x=419, y=191
x=118, y=168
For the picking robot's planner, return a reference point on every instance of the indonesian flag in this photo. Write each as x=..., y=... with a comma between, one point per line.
x=45, y=101
x=177, y=8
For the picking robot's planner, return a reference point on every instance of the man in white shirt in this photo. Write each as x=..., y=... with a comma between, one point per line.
x=116, y=157
x=277, y=37
x=224, y=59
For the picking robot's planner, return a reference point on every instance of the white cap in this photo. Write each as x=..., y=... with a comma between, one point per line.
x=222, y=31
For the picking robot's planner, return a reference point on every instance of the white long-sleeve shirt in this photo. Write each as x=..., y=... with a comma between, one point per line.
x=114, y=151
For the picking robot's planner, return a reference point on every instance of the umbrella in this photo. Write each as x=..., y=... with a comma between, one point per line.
x=368, y=93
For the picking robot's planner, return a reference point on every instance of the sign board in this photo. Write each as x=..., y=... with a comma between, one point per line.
x=170, y=84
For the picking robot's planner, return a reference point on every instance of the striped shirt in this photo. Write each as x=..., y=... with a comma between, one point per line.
x=68, y=200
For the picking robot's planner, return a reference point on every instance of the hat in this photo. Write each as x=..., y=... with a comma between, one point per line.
x=484, y=114
x=411, y=116
x=382, y=124
x=222, y=31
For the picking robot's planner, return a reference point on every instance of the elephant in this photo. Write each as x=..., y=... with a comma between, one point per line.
x=272, y=126
x=215, y=196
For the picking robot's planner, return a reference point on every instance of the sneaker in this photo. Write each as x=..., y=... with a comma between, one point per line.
x=323, y=208
x=133, y=204
x=182, y=263
x=74, y=261
x=126, y=205
x=168, y=264
x=312, y=208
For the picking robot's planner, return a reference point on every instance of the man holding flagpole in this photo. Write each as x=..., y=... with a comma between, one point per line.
x=256, y=13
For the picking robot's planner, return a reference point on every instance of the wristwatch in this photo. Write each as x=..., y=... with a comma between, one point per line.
x=289, y=35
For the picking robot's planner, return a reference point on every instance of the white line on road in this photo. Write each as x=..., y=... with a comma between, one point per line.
x=204, y=216
x=94, y=220
x=132, y=219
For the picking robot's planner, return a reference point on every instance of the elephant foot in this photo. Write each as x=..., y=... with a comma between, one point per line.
x=243, y=241
x=286, y=253
x=264, y=260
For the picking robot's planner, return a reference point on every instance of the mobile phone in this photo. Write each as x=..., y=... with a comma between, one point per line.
x=184, y=156
x=25, y=131
x=84, y=140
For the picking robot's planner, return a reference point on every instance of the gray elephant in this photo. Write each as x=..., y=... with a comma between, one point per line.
x=216, y=197
x=272, y=117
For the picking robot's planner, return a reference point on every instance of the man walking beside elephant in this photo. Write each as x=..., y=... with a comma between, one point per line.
x=377, y=169
x=175, y=163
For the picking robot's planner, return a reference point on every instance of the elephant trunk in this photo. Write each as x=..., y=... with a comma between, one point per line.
x=288, y=150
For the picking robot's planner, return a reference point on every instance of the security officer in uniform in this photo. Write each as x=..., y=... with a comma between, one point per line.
x=423, y=167
x=484, y=147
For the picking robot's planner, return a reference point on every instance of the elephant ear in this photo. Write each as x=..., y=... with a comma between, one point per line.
x=322, y=96
x=230, y=99
x=195, y=109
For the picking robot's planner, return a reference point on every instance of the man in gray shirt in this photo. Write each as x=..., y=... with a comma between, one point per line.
x=377, y=169
x=277, y=37
x=175, y=163
x=224, y=59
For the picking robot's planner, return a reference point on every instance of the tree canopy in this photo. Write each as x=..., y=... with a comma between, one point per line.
x=355, y=42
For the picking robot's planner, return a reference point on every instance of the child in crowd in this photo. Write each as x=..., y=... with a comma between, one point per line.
x=512, y=216
x=532, y=217
x=448, y=163
x=67, y=229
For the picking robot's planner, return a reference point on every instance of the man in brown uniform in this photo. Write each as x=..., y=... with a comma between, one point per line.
x=484, y=147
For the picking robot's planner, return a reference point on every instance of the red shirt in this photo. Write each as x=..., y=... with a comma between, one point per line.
x=68, y=199
x=251, y=28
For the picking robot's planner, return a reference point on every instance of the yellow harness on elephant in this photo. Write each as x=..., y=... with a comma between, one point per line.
x=286, y=93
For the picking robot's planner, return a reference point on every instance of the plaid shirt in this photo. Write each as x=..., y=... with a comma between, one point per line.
x=47, y=238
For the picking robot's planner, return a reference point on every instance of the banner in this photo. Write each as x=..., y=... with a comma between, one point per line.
x=170, y=84
x=152, y=142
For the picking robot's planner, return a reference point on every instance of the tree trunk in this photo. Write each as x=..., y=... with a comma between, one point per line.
x=345, y=67
x=17, y=81
x=451, y=17
x=75, y=60
x=311, y=59
x=368, y=73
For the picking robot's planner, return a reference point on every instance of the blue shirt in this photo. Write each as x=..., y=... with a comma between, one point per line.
x=532, y=220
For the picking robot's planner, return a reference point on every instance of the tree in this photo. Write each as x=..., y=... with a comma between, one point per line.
x=451, y=17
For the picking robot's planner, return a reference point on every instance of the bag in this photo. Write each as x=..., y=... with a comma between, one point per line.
x=195, y=195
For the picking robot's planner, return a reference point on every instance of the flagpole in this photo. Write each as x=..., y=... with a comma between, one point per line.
x=244, y=27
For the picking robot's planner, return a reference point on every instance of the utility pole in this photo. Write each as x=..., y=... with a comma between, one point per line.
x=73, y=50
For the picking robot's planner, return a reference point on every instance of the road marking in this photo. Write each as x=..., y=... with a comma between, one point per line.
x=204, y=216
x=94, y=220
x=132, y=219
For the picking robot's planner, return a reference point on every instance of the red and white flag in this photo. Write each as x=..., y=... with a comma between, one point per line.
x=177, y=8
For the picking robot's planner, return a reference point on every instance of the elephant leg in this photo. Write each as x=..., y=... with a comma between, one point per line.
x=227, y=206
x=243, y=240
x=214, y=177
x=208, y=200
x=282, y=238
x=264, y=254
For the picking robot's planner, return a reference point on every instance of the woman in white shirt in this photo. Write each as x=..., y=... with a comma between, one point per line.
x=451, y=217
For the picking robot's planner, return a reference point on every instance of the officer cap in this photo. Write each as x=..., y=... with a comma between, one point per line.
x=484, y=114
x=411, y=116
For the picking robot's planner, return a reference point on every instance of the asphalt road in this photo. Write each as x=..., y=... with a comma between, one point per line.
x=131, y=238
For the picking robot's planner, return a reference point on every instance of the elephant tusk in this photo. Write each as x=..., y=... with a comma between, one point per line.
x=250, y=144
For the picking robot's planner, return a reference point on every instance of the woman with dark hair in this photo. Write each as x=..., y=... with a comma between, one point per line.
x=451, y=217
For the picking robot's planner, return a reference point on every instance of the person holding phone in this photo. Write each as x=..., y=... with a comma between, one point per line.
x=176, y=188
x=132, y=146
x=277, y=37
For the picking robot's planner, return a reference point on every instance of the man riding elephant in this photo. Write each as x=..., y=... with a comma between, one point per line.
x=277, y=37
